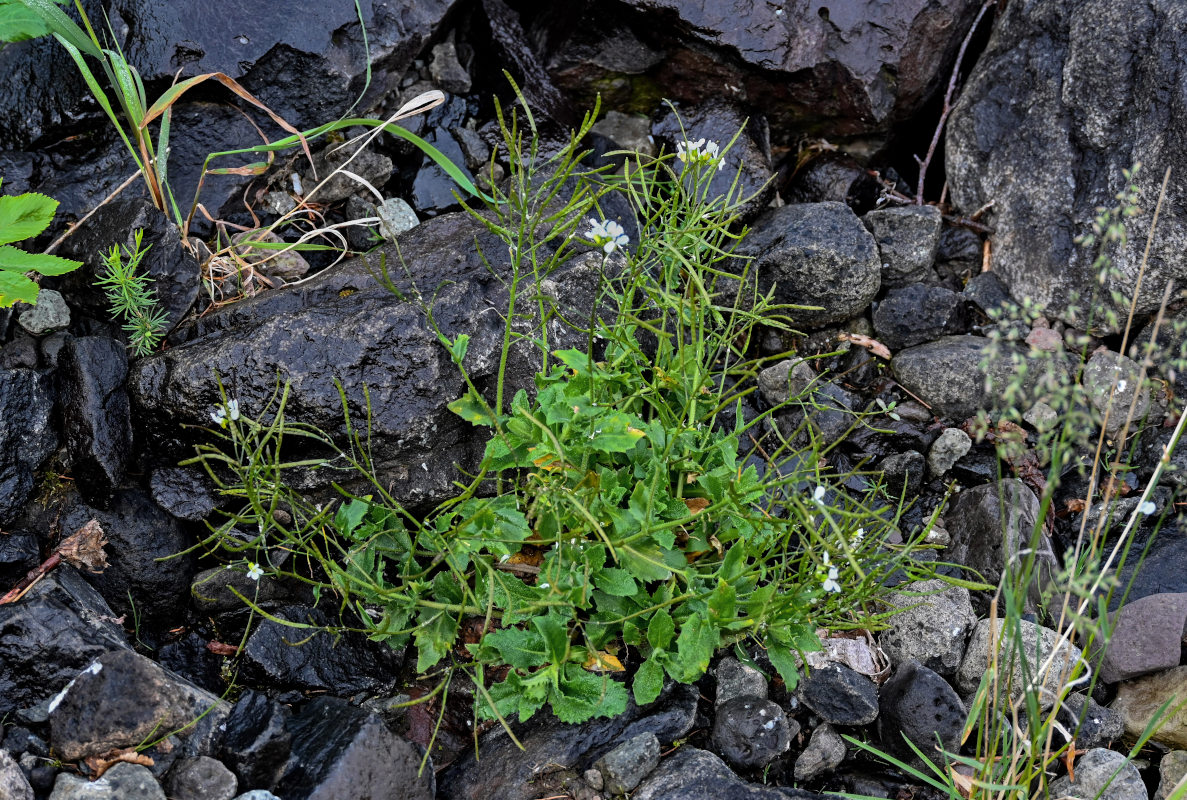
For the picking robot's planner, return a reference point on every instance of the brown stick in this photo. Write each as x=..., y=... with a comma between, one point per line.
x=83, y=548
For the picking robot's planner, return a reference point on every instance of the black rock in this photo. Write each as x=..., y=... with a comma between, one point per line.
x=1164, y=569
x=833, y=177
x=323, y=662
x=840, y=696
x=256, y=741
x=96, y=421
x=340, y=751
x=903, y=473
x=749, y=732
x=19, y=553
x=918, y=704
x=185, y=493
x=1094, y=726
x=59, y=627
x=26, y=436
x=916, y=314
x=692, y=774
x=190, y=658
x=907, y=237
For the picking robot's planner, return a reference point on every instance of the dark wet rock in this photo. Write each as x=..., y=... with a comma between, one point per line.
x=323, y=661
x=59, y=627
x=629, y=132
x=516, y=50
x=838, y=71
x=719, y=121
x=190, y=658
x=735, y=679
x=960, y=253
x=122, y=782
x=918, y=704
x=341, y=324
x=21, y=352
x=903, y=473
x=750, y=732
x=507, y=773
x=623, y=767
x=214, y=589
x=201, y=778
x=1094, y=725
x=931, y=627
x=907, y=238
x=840, y=695
x=124, y=699
x=433, y=191
x=374, y=168
x=1041, y=646
x=50, y=314
x=26, y=436
x=1163, y=570
x=916, y=314
x=1069, y=94
x=42, y=94
x=341, y=751
x=176, y=278
x=19, y=553
x=828, y=409
x=948, y=448
x=183, y=492
x=833, y=177
x=96, y=416
x=19, y=740
x=447, y=71
x=1102, y=774
x=1146, y=637
x=823, y=754
x=692, y=774
x=13, y=784
x=948, y=376
x=989, y=545
x=989, y=294
x=816, y=254
x=256, y=741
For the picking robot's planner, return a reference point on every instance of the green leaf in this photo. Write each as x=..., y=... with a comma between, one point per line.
x=25, y=215
x=723, y=603
x=555, y=635
x=17, y=260
x=350, y=515
x=694, y=647
x=784, y=662
x=520, y=648
x=473, y=409
x=661, y=629
x=434, y=636
x=615, y=581
x=584, y=695
x=18, y=23
x=15, y=287
x=576, y=360
x=649, y=681
x=457, y=350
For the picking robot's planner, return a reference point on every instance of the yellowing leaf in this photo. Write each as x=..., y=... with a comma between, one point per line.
x=601, y=661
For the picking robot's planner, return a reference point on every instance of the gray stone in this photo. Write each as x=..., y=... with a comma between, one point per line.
x=13, y=784
x=984, y=542
x=201, y=778
x=815, y=254
x=919, y=705
x=213, y=590
x=256, y=741
x=446, y=71
x=693, y=774
x=1041, y=646
x=374, y=168
x=1109, y=373
x=932, y=626
x=789, y=378
x=907, y=237
x=628, y=131
x=281, y=265
x=124, y=699
x=915, y=314
x=1140, y=699
x=1146, y=637
x=839, y=695
x=751, y=732
x=1069, y=94
x=948, y=448
x=49, y=314
x=824, y=753
x=184, y=492
x=1102, y=774
x=903, y=473
x=626, y=765
x=1171, y=771
x=1041, y=417
x=257, y=794
x=735, y=679
x=1094, y=725
x=121, y=782
x=395, y=217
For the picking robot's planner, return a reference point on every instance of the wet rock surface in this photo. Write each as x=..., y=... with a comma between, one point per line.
x=26, y=435
x=749, y=732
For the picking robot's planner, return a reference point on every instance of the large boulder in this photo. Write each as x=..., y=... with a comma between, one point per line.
x=26, y=436
x=1067, y=95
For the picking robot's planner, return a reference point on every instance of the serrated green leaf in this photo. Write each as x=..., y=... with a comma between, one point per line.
x=15, y=287
x=694, y=648
x=649, y=681
x=576, y=360
x=784, y=662
x=18, y=23
x=521, y=649
x=16, y=260
x=555, y=636
x=458, y=349
x=661, y=629
x=434, y=636
x=350, y=515
x=25, y=215
x=472, y=409
x=583, y=695
x=615, y=581
x=723, y=603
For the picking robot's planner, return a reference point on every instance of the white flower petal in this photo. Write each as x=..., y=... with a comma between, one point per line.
x=1147, y=508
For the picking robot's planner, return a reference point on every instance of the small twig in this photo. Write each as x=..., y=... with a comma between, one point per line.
x=75, y=226
x=935, y=139
x=83, y=548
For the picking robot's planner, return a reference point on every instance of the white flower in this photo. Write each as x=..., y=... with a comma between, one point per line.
x=543, y=586
x=818, y=495
x=700, y=152
x=1121, y=384
x=233, y=409
x=859, y=536
x=219, y=415
x=830, y=583
x=607, y=235
x=254, y=571
x=1147, y=508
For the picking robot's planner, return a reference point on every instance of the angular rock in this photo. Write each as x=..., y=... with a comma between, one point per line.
x=50, y=314
x=447, y=72
x=1069, y=94
x=122, y=782
x=374, y=168
x=59, y=627
x=1112, y=374
x=13, y=784
x=341, y=751
x=751, y=732
x=948, y=448
x=908, y=237
x=26, y=435
x=123, y=699
x=932, y=628
x=19, y=553
x=1038, y=643
x=904, y=473
x=96, y=416
x=395, y=217
x=346, y=663
x=693, y=774
x=988, y=292
x=257, y=741
x=201, y=778
x=787, y=379
x=624, y=766
x=833, y=176
x=816, y=254
x=1102, y=774
x=185, y=493
x=840, y=695
x=719, y=121
x=735, y=679
x=918, y=704
x=1171, y=771
x=1094, y=725
x=824, y=753
x=212, y=588
x=915, y=314
x=1146, y=637
x=1139, y=700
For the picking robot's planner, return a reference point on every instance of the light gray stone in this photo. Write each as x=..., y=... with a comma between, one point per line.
x=626, y=765
x=50, y=314
x=1041, y=646
x=1171, y=772
x=1112, y=375
x=908, y=237
x=121, y=782
x=824, y=753
x=948, y=448
x=735, y=679
x=1102, y=774
x=13, y=785
x=395, y=217
x=932, y=626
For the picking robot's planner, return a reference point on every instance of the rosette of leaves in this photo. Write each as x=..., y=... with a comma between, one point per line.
x=24, y=216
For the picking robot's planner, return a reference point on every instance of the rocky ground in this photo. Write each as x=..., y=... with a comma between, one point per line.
x=122, y=673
